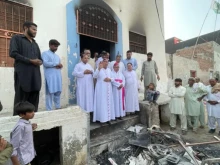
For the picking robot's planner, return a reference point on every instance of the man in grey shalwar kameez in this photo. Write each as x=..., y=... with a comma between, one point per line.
x=149, y=72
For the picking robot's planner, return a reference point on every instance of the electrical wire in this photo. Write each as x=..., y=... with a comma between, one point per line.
x=201, y=29
x=158, y=15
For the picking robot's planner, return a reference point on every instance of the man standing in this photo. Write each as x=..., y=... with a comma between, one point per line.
x=202, y=88
x=133, y=61
x=177, y=106
x=85, y=87
x=150, y=72
x=121, y=64
x=213, y=105
x=192, y=104
x=131, y=90
x=91, y=61
x=52, y=74
x=27, y=55
x=118, y=91
x=103, y=99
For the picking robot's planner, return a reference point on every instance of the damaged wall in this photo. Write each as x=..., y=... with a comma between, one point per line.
x=206, y=62
x=74, y=135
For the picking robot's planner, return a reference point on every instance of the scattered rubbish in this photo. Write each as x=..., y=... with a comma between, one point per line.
x=112, y=161
x=135, y=129
x=153, y=146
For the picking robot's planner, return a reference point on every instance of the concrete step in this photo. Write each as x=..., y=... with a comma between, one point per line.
x=110, y=137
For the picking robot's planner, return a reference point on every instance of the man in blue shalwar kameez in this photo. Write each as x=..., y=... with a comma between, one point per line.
x=52, y=73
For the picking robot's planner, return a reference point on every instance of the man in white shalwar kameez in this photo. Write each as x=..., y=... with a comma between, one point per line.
x=177, y=105
x=131, y=90
x=85, y=87
x=103, y=99
x=213, y=106
x=118, y=91
x=53, y=77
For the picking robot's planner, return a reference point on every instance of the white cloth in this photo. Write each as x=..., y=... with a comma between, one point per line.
x=213, y=110
x=212, y=122
x=117, y=94
x=131, y=91
x=121, y=66
x=177, y=105
x=85, y=86
x=103, y=98
x=100, y=59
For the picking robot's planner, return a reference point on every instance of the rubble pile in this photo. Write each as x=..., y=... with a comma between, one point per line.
x=156, y=147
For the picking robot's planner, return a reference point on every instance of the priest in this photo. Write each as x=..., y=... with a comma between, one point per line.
x=103, y=98
x=85, y=87
x=131, y=90
x=118, y=91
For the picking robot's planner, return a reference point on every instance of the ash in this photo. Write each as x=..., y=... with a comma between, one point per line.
x=153, y=146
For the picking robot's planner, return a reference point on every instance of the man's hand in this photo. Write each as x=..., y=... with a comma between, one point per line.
x=87, y=71
x=107, y=80
x=158, y=77
x=59, y=66
x=3, y=144
x=199, y=99
x=120, y=86
x=34, y=126
x=213, y=102
x=100, y=65
x=36, y=62
x=141, y=78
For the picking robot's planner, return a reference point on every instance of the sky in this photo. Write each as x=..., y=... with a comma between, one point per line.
x=184, y=18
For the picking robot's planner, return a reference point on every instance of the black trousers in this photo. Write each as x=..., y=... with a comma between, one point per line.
x=20, y=95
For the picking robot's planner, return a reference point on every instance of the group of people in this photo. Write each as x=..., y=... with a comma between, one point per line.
x=109, y=90
x=188, y=103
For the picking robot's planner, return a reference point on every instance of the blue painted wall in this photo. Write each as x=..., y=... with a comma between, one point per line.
x=73, y=43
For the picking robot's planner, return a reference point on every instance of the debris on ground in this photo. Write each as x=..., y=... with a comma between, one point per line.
x=153, y=146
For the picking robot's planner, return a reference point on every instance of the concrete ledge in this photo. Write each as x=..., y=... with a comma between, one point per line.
x=74, y=136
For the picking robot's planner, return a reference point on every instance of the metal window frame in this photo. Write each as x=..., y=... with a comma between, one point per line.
x=135, y=44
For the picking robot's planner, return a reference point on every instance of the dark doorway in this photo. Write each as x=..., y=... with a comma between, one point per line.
x=94, y=44
x=47, y=146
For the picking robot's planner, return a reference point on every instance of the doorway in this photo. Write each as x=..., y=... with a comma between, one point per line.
x=95, y=45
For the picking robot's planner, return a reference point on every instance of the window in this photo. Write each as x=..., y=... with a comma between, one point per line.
x=12, y=17
x=193, y=73
x=94, y=21
x=137, y=43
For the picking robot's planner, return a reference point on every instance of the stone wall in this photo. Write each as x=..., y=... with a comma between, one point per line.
x=74, y=132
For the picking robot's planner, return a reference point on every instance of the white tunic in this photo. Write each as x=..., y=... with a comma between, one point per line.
x=131, y=91
x=213, y=110
x=103, y=98
x=84, y=87
x=121, y=66
x=177, y=105
x=119, y=101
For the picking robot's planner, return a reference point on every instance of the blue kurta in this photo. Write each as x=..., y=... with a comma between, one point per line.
x=53, y=76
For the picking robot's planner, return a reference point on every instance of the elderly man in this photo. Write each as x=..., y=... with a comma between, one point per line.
x=149, y=72
x=103, y=99
x=133, y=61
x=177, y=106
x=121, y=64
x=131, y=90
x=213, y=105
x=202, y=109
x=85, y=88
x=192, y=104
x=118, y=91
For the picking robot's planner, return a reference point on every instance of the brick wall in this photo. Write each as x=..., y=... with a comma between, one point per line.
x=204, y=55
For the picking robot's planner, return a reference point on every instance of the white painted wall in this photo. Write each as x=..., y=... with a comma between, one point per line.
x=50, y=16
x=141, y=17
